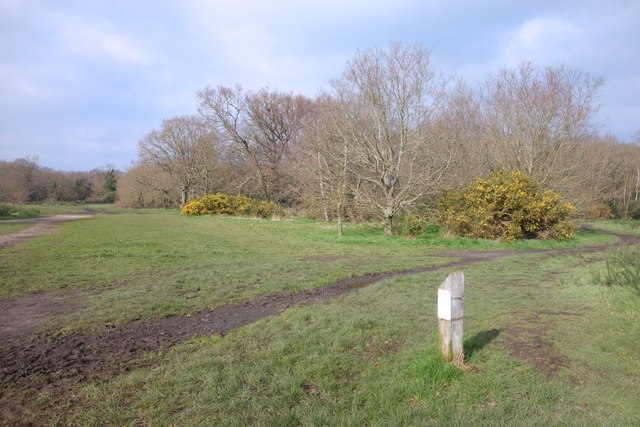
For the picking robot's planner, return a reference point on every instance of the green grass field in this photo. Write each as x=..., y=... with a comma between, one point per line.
x=545, y=343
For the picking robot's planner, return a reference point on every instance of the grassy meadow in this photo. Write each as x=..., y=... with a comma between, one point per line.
x=545, y=342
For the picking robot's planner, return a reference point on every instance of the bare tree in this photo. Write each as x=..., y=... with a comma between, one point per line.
x=262, y=125
x=185, y=148
x=147, y=185
x=458, y=128
x=388, y=98
x=321, y=163
x=538, y=120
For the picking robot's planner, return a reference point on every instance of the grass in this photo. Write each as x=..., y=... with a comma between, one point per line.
x=12, y=228
x=623, y=269
x=9, y=211
x=152, y=263
x=618, y=225
x=368, y=358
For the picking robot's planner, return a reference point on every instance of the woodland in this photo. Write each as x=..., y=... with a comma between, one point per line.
x=387, y=137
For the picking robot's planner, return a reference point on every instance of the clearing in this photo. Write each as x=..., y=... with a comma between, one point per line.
x=81, y=327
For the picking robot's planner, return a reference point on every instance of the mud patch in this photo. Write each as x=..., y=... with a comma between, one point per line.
x=42, y=226
x=23, y=315
x=58, y=363
x=530, y=343
x=26, y=234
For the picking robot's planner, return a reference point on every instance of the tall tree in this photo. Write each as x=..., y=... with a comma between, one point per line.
x=262, y=125
x=388, y=99
x=185, y=148
x=538, y=121
x=110, y=180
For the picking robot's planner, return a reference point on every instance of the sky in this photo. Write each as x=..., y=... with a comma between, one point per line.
x=82, y=81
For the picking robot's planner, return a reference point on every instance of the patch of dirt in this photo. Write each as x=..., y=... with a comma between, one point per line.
x=530, y=343
x=42, y=226
x=26, y=314
x=32, y=361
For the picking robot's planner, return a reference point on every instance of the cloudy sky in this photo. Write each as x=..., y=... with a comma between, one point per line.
x=81, y=81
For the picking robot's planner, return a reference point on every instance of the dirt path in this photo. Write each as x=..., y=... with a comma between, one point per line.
x=40, y=227
x=31, y=361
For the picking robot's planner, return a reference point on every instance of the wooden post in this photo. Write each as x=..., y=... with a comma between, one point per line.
x=451, y=313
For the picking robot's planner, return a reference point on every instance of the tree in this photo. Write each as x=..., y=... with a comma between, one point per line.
x=262, y=125
x=109, y=185
x=185, y=148
x=110, y=180
x=538, y=120
x=83, y=189
x=388, y=99
x=321, y=163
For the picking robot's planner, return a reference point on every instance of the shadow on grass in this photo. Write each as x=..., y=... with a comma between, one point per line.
x=478, y=341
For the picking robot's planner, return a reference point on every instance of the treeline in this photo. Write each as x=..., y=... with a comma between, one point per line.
x=25, y=181
x=389, y=135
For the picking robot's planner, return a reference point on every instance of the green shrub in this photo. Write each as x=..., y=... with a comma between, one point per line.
x=109, y=197
x=265, y=209
x=623, y=269
x=412, y=225
x=12, y=211
x=506, y=206
x=634, y=210
x=6, y=210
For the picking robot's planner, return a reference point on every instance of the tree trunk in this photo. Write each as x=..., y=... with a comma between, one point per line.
x=637, y=182
x=325, y=210
x=184, y=195
x=339, y=218
x=388, y=221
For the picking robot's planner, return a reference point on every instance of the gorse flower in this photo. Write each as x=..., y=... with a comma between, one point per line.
x=230, y=204
x=506, y=206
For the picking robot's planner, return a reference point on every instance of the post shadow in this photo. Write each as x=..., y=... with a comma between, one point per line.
x=478, y=341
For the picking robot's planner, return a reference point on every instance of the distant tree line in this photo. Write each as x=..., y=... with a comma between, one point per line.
x=25, y=181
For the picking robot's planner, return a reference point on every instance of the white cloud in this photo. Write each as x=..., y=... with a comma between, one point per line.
x=287, y=44
x=91, y=39
x=25, y=85
x=544, y=41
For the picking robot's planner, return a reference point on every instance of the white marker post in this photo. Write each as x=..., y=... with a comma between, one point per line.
x=451, y=313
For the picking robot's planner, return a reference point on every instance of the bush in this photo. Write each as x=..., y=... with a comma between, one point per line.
x=13, y=211
x=230, y=204
x=506, y=206
x=634, y=210
x=412, y=225
x=240, y=205
x=109, y=197
x=265, y=209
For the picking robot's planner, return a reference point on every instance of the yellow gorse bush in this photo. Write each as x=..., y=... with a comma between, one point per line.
x=230, y=204
x=506, y=206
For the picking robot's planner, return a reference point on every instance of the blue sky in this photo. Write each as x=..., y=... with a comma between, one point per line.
x=81, y=81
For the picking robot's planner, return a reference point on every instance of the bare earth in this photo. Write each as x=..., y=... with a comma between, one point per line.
x=40, y=226
x=34, y=359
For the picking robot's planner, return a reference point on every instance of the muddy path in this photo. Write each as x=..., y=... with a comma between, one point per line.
x=34, y=360
x=41, y=226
